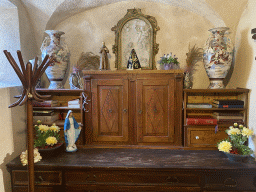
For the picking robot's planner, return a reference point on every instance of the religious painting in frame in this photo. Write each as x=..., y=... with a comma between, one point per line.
x=136, y=31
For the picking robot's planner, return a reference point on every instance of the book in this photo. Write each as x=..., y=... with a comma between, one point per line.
x=74, y=106
x=43, y=113
x=230, y=121
x=228, y=117
x=201, y=121
x=74, y=102
x=46, y=119
x=199, y=105
x=228, y=102
x=227, y=106
x=228, y=114
x=48, y=103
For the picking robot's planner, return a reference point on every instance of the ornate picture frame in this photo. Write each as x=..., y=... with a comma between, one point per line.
x=136, y=31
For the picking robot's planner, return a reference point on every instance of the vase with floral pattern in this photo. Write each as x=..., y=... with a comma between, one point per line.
x=218, y=54
x=56, y=48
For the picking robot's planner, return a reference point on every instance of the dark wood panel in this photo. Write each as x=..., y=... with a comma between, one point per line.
x=155, y=111
x=110, y=110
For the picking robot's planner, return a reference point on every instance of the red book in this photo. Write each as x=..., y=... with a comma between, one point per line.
x=201, y=121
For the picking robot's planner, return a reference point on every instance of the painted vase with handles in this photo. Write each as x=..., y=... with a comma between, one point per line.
x=56, y=48
x=218, y=55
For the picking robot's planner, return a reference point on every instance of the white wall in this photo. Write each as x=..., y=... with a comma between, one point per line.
x=245, y=66
x=13, y=134
x=10, y=40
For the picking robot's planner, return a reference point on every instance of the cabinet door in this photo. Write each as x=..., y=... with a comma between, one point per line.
x=155, y=111
x=110, y=110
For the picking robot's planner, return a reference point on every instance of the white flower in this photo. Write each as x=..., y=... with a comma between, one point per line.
x=24, y=157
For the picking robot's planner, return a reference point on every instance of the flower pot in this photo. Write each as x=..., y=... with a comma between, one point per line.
x=51, y=151
x=237, y=157
x=167, y=66
x=57, y=49
x=218, y=54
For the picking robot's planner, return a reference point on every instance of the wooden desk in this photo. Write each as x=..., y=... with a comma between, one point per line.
x=137, y=170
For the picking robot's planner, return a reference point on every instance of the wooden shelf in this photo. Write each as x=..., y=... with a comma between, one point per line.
x=215, y=109
x=60, y=123
x=200, y=136
x=56, y=108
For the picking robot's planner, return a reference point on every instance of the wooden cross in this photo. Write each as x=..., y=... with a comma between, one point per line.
x=29, y=78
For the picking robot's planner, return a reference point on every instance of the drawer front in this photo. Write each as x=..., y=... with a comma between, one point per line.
x=204, y=137
x=230, y=181
x=131, y=178
x=37, y=189
x=20, y=177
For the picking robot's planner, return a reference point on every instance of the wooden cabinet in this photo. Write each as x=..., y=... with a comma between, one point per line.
x=134, y=107
x=207, y=136
x=63, y=96
x=123, y=169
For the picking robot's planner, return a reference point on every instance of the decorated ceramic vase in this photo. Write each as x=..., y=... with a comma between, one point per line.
x=218, y=54
x=54, y=47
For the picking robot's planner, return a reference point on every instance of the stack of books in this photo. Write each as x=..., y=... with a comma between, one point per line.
x=48, y=103
x=224, y=103
x=229, y=117
x=74, y=103
x=201, y=120
x=46, y=117
x=199, y=105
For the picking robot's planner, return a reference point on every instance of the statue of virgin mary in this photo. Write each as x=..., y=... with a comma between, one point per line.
x=71, y=132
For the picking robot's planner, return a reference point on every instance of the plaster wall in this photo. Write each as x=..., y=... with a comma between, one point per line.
x=85, y=32
x=10, y=40
x=245, y=66
x=13, y=133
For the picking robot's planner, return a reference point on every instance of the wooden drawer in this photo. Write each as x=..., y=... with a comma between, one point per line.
x=132, y=178
x=204, y=137
x=20, y=177
x=230, y=181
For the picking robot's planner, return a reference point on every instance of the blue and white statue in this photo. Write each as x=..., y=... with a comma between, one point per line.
x=71, y=131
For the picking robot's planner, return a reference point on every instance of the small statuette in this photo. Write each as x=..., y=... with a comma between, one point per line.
x=133, y=62
x=71, y=132
x=104, y=63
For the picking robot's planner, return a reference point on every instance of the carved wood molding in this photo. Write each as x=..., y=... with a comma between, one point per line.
x=130, y=15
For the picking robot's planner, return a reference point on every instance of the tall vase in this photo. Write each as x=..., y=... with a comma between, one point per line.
x=188, y=81
x=218, y=54
x=58, y=49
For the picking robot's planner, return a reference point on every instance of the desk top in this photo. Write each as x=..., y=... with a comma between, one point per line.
x=119, y=158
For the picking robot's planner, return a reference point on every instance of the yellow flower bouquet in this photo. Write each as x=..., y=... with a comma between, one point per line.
x=235, y=143
x=47, y=137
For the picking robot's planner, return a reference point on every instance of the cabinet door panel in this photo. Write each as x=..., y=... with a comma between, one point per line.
x=110, y=106
x=155, y=110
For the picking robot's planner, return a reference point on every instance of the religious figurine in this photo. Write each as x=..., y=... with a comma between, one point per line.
x=104, y=63
x=71, y=132
x=133, y=62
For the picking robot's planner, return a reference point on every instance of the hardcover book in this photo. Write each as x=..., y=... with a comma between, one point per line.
x=228, y=114
x=228, y=102
x=227, y=106
x=201, y=121
x=43, y=113
x=49, y=103
x=199, y=105
x=228, y=117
